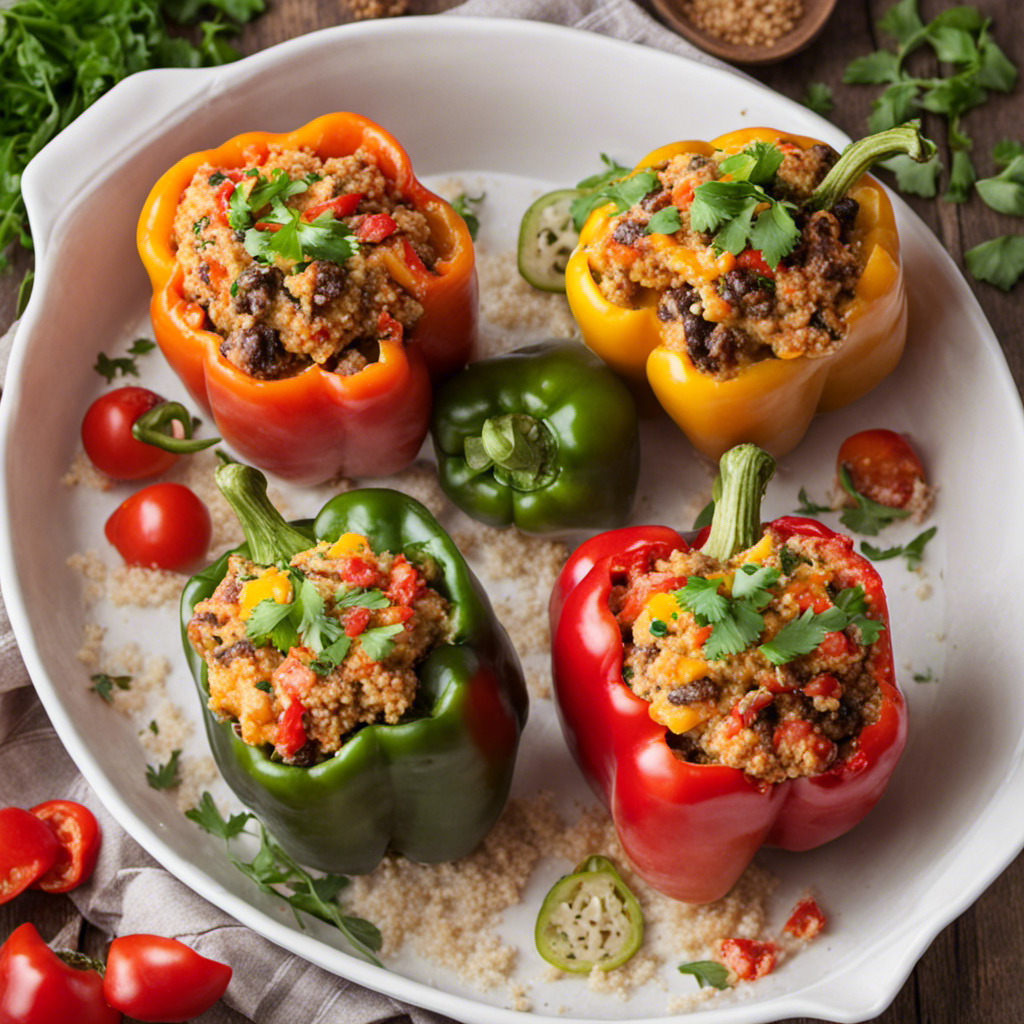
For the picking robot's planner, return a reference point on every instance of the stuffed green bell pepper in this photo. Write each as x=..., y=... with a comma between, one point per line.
x=360, y=695
x=545, y=437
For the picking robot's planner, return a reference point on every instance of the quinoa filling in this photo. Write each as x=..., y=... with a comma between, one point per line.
x=300, y=656
x=727, y=312
x=738, y=661
x=300, y=261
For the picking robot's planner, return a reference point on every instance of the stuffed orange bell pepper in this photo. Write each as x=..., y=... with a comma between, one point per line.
x=306, y=288
x=753, y=281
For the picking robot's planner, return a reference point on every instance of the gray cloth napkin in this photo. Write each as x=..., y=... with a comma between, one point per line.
x=129, y=891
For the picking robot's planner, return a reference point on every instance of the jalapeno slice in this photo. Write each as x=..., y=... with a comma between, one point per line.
x=589, y=919
x=547, y=237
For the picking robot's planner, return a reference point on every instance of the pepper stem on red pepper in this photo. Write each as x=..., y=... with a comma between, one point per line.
x=859, y=157
x=152, y=428
x=517, y=447
x=271, y=539
x=744, y=472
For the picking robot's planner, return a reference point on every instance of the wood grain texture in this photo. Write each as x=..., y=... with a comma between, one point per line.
x=971, y=973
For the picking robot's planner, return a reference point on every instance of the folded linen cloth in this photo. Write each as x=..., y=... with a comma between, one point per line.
x=130, y=892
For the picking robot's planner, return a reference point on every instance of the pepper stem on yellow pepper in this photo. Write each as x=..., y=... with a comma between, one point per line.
x=744, y=472
x=860, y=156
x=270, y=538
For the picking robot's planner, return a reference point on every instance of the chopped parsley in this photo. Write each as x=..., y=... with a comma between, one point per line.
x=332, y=656
x=868, y=517
x=244, y=208
x=913, y=551
x=707, y=972
x=265, y=686
x=164, y=776
x=999, y=261
x=277, y=873
x=104, y=684
x=465, y=206
x=376, y=642
x=924, y=677
x=789, y=560
x=109, y=368
x=582, y=207
x=658, y=628
x=665, y=221
x=360, y=597
x=324, y=238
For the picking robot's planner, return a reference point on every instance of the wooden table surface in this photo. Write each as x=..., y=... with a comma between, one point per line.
x=971, y=974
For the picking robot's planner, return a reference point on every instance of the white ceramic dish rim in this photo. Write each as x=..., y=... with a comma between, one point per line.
x=49, y=188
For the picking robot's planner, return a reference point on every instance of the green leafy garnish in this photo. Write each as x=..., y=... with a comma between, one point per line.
x=376, y=643
x=276, y=873
x=1000, y=261
x=621, y=193
x=818, y=97
x=325, y=238
x=809, y=507
x=751, y=583
x=316, y=628
x=924, y=677
x=869, y=516
x=756, y=163
x=658, y=627
x=735, y=622
x=272, y=622
x=1005, y=151
x=360, y=598
x=141, y=346
x=702, y=599
x=912, y=551
x=465, y=206
x=104, y=684
x=303, y=619
x=582, y=207
x=913, y=178
x=153, y=727
x=164, y=776
x=265, y=686
x=664, y=222
x=789, y=560
x=707, y=972
x=728, y=207
x=245, y=207
x=704, y=516
x=332, y=656
x=1005, y=191
x=109, y=368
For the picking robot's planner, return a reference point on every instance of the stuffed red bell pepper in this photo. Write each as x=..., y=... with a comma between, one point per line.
x=735, y=693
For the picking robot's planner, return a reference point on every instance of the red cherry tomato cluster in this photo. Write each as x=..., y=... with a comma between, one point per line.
x=164, y=525
x=52, y=847
x=147, y=977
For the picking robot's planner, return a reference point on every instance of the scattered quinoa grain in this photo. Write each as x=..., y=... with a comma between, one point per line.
x=84, y=474
x=363, y=10
x=745, y=22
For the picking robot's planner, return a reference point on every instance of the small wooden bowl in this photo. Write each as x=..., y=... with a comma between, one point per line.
x=816, y=13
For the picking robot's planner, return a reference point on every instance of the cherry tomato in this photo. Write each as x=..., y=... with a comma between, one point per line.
x=78, y=833
x=28, y=849
x=152, y=978
x=163, y=525
x=882, y=466
x=107, y=435
x=38, y=987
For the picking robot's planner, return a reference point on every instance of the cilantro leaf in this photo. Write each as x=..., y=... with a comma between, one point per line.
x=996, y=70
x=700, y=597
x=808, y=507
x=315, y=626
x=789, y=560
x=952, y=44
x=332, y=656
x=707, y=972
x=209, y=819
x=902, y=21
x=140, y=346
x=924, y=677
x=876, y=68
x=286, y=234
x=270, y=621
x=623, y=194
x=213, y=48
x=465, y=206
x=582, y=206
x=913, y=551
x=852, y=601
x=751, y=583
x=775, y=233
x=185, y=12
x=869, y=516
x=818, y=97
x=880, y=554
x=999, y=261
x=1005, y=191
x=914, y=178
x=961, y=178
x=801, y=635
x=612, y=170
x=756, y=163
x=360, y=598
x=704, y=516
x=664, y=222
x=734, y=633
x=375, y=642
x=897, y=104
x=104, y=684
x=164, y=776
x=110, y=368
x=1005, y=150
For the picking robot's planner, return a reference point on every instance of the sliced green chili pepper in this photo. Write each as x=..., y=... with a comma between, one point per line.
x=154, y=428
x=547, y=237
x=589, y=919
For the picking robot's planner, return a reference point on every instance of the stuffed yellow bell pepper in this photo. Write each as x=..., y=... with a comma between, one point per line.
x=752, y=281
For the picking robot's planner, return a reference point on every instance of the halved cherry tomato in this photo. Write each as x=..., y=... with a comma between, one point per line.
x=38, y=987
x=107, y=435
x=163, y=525
x=28, y=849
x=152, y=978
x=882, y=466
x=78, y=833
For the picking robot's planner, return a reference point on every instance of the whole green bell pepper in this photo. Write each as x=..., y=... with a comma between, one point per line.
x=429, y=787
x=545, y=437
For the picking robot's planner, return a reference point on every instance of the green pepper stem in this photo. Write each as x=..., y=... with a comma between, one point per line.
x=516, y=443
x=152, y=428
x=744, y=472
x=861, y=156
x=270, y=538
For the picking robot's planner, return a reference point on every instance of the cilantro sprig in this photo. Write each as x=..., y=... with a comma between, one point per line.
x=707, y=972
x=103, y=685
x=999, y=261
x=304, y=619
x=868, y=516
x=465, y=206
x=276, y=873
x=165, y=776
x=808, y=506
x=593, y=186
x=913, y=550
x=283, y=232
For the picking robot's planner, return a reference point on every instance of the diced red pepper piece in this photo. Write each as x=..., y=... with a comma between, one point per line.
x=376, y=227
x=806, y=921
x=341, y=206
x=753, y=259
x=388, y=327
x=642, y=590
x=823, y=686
x=835, y=645
x=412, y=261
x=747, y=710
x=799, y=732
x=290, y=737
x=748, y=959
x=356, y=620
x=358, y=572
x=293, y=677
x=220, y=200
x=405, y=584
x=264, y=225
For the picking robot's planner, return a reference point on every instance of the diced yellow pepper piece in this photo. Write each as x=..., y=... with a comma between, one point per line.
x=758, y=553
x=272, y=584
x=679, y=718
x=725, y=577
x=686, y=670
x=663, y=606
x=349, y=544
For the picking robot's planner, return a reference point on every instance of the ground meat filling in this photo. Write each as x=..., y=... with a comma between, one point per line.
x=773, y=722
x=727, y=320
x=278, y=315
x=306, y=702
